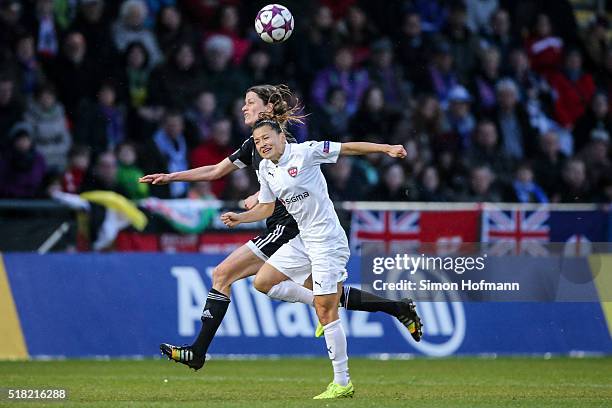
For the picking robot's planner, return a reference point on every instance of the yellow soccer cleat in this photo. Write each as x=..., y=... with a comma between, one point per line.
x=320, y=330
x=337, y=391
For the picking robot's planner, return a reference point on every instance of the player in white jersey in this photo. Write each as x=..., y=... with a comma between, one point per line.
x=292, y=173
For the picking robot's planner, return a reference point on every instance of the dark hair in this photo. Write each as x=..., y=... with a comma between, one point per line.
x=284, y=110
x=130, y=47
x=45, y=87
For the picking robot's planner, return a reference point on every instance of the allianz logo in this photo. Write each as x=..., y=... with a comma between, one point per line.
x=253, y=314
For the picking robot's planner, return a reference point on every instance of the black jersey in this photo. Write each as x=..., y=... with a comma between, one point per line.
x=247, y=155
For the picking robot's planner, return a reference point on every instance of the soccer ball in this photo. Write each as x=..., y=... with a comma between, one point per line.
x=274, y=23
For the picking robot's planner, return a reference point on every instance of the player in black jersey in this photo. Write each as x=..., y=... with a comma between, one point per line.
x=247, y=260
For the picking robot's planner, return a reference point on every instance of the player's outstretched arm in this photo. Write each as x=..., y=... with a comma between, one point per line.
x=260, y=212
x=362, y=148
x=204, y=173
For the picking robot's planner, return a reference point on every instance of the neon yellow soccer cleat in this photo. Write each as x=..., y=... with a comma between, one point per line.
x=337, y=391
x=320, y=330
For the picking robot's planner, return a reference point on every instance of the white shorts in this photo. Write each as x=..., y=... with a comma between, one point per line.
x=328, y=266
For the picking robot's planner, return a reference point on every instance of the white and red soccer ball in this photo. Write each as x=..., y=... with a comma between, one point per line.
x=274, y=23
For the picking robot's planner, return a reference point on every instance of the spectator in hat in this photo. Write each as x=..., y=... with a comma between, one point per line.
x=22, y=168
x=459, y=117
x=442, y=77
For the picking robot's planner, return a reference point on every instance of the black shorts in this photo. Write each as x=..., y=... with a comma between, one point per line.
x=267, y=243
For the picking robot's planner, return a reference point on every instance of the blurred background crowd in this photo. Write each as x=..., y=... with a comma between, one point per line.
x=494, y=100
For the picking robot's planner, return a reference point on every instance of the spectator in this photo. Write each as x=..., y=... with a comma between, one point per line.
x=549, y=163
x=451, y=170
x=485, y=80
x=50, y=133
x=545, y=50
x=498, y=35
x=596, y=117
x=313, y=47
x=42, y=23
x=101, y=125
x=574, y=89
x=460, y=120
x=331, y=121
x=171, y=29
x=74, y=73
x=93, y=24
x=523, y=188
x=79, y=158
x=22, y=168
x=240, y=131
x=134, y=76
x=345, y=181
x=442, y=77
x=574, y=187
x=201, y=190
x=414, y=49
x=358, y=31
x=11, y=107
x=485, y=151
x=130, y=27
x=517, y=135
x=226, y=81
x=239, y=186
x=429, y=187
x=481, y=188
x=433, y=14
x=595, y=41
x=103, y=175
x=167, y=152
x=30, y=72
x=258, y=68
x=427, y=122
x=463, y=44
x=10, y=26
x=203, y=114
x=531, y=86
x=597, y=154
x=342, y=75
x=177, y=82
x=373, y=120
x=128, y=173
x=479, y=14
x=214, y=150
x=386, y=74
x=229, y=26
x=604, y=192
x=393, y=186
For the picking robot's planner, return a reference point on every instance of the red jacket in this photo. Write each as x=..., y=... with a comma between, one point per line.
x=207, y=154
x=572, y=97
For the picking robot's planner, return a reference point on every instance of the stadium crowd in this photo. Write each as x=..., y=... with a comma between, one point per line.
x=494, y=100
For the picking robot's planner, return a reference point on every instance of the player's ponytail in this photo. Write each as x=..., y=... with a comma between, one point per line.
x=286, y=109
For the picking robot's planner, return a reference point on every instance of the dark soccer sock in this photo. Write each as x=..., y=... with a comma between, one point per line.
x=212, y=316
x=357, y=299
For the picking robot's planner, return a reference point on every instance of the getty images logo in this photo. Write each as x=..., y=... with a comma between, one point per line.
x=252, y=314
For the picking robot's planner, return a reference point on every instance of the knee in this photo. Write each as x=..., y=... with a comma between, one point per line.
x=326, y=313
x=221, y=277
x=262, y=284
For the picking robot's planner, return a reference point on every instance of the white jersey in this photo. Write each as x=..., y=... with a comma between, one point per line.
x=299, y=184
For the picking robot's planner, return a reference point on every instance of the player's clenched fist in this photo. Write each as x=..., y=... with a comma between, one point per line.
x=230, y=219
x=157, y=179
x=397, y=151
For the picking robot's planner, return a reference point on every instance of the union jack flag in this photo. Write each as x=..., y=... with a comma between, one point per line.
x=391, y=229
x=516, y=231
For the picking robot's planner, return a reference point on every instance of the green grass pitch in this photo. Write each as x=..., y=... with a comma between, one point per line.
x=430, y=383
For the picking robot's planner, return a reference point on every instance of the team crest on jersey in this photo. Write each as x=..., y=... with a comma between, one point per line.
x=293, y=171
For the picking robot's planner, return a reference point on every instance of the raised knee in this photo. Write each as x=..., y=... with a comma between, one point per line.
x=261, y=284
